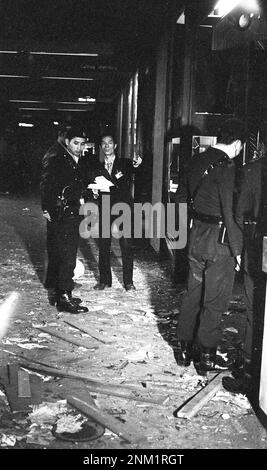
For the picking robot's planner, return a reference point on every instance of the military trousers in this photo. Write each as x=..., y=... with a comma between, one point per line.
x=62, y=246
x=209, y=290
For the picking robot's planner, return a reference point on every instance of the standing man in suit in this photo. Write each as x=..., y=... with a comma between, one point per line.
x=61, y=189
x=118, y=171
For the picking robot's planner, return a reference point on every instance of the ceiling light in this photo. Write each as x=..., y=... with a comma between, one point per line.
x=70, y=102
x=34, y=109
x=25, y=124
x=68, y=109
x=82, y=54
x=55, y=123
x=223, y=7
x=24, y=101
x=14, y=76
x=76, y=54
x=67, y=78
x=244, y=21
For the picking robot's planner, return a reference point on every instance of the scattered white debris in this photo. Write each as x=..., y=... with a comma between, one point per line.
x=15, y=339
x=44, y=335
x=236, y=399
x=40, y=435
x=241, y=401
x=7, y=440
x=32, y=346
x=69, y=423
x=143, y=353
x=47, y=412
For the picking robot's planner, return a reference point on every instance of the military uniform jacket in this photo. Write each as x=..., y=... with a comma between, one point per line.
x=252, y=200
x=60, y=171
x=214, y=197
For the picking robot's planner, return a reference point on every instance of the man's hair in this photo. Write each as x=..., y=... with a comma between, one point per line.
x=231, y=130
x=107, y=134
x=75, y=131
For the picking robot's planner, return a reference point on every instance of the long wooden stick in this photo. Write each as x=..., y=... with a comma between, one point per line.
x=105, y=420
x=68, y=338
x=89, y=331
x=129, y=393
x=198, y=400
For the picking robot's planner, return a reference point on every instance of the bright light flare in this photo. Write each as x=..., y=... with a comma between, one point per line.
x=223, y=7
x=7, y=309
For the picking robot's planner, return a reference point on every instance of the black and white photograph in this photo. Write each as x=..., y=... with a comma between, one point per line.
x=133, y=239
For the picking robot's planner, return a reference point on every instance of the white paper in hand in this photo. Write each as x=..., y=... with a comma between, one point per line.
x=101, y=183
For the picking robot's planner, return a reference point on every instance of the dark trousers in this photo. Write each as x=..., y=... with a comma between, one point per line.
x=209, y=290
x=254, y=289
x=104, y=256
x=104, y=260
x=62, y=245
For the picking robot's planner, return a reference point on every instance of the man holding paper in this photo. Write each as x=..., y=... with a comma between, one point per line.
x=112, y=186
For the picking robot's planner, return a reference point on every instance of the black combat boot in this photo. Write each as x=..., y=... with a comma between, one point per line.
x=52, y=296
x=241, y=382
x=210, y=361
x=65, y=304
x=183, y=353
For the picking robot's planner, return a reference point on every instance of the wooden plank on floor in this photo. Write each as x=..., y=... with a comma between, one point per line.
x=24, y=388
x=125, y=431
x=192, y=407
x=9, y=379
x=96, y=386
x=69, y=338
x=89, y=331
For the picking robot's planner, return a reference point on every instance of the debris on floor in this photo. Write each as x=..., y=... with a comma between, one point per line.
x=107, y=378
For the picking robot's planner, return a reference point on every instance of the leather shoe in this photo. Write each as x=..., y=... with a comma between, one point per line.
x=77, y=300
x=101, y=286
x=210, y=361
x=130, y=286
x=52, y=296
x=183, y=353
x=65, y=304
x=240, y=385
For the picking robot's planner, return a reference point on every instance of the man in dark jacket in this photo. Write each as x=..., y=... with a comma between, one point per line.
x=212, y=258
x=117, y=171
x=61, y=189
x=251, y=215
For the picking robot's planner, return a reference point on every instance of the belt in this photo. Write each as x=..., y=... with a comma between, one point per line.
x=209, y=219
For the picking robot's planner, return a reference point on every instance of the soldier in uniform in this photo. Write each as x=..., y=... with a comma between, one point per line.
x=61, y=189
x=215, y=245
x=251, y=215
